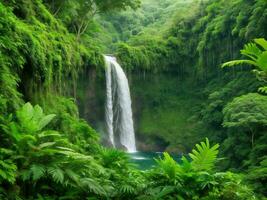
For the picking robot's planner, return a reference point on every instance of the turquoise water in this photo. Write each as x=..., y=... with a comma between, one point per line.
x=146, y=160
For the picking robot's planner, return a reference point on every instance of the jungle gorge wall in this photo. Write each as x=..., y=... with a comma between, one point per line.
x=186, y=52
x=189, y=54
x=180, y=95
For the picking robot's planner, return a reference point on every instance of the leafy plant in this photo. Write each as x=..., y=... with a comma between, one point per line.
x=257, y=56
x=194, y=179
x=247, y=112
x=32, y=119
x=8, y=168
x=204, y=156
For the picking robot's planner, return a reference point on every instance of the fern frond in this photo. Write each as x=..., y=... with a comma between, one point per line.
x=72, y=175
x=251, y=50
x=262, y=61
x=263, y=89
x=239, y=62
x=127, y=189
x=204, y=156
x=25, y=175
x=37, y=172
x=57, y=174
x=7, y=171
x=168, y=165
x=93, y=186
x=165, y=192
x=261, y=42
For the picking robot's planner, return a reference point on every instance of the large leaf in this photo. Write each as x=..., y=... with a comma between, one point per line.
x=38, y=113
x=25, y=113
x=33, y=119
x=46, y=120
x=204, y=156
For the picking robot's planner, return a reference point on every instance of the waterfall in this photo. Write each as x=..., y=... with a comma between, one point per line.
x=119, y=118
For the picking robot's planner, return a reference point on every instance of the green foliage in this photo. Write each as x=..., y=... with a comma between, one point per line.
x=246, y=111
x=168, y=166
x=29, y=40
x=32, y=119
x=57, y=156
x=187, y=180
x=77, y=15
x=8, y=168
x=258, y=175
x=40, y=160
x=257, y=54
x=152, y=18
x=144, y=55
x=46, y=155
x=204, y=157
x=196, y=43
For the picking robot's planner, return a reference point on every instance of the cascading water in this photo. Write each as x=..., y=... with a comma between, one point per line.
x=118, y=107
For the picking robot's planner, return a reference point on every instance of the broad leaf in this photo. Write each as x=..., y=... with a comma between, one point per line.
x=45, y=120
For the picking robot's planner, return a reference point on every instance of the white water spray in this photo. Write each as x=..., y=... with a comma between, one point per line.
x=119, y=118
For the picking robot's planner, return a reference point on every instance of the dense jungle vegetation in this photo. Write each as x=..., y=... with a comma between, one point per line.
x=197, y=71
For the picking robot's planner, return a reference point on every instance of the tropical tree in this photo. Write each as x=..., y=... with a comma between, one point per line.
x=248, y=112
x=77, y=15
